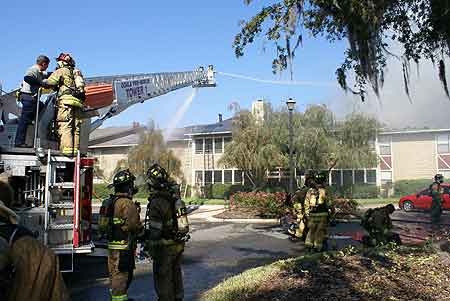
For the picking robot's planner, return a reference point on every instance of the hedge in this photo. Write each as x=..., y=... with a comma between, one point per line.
x=267, y=204
x=223, y=191
x=357, y=191
x=101, y=191
x=407, y=187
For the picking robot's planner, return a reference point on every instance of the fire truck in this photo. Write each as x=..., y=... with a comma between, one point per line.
x=53, y=193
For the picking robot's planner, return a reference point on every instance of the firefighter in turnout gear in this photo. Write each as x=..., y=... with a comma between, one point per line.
x=436, y=203
x=167, y=228
x=124, y=227
x=319, y=206
x=29, y=271
x=71, y=95
x=377, y=222
x=301, y=209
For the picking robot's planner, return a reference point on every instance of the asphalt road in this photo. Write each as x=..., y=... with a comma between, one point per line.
x=216, y=251
x=220, y=250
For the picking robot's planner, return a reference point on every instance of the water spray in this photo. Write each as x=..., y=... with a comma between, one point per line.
x=280, y=82
x=180, y=114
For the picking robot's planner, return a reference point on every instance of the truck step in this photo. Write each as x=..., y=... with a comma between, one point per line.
x=68, y=205
x=60, y=226
x=62, y=185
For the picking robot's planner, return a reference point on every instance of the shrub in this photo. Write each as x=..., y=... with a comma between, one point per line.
x=406, y=187
x=267, y=204
x=101, y=191
x=220, y=191
x=357, y=191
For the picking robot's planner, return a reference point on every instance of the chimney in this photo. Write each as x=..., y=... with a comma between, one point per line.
x=220, y=117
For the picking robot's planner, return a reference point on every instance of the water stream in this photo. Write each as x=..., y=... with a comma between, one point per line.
x=179, y=114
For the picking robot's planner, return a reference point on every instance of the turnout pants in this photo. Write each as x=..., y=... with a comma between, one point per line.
x=318, y=223
x=69, y=123
x=436, y=212
x=168, y=278
x=120, y=273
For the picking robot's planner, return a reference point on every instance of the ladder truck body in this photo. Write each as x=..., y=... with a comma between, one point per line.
x=53, y=193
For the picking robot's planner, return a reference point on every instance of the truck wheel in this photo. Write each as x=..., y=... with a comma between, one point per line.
x=408, y=206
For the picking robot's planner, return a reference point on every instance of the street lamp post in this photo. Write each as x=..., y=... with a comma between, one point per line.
x=291, y=105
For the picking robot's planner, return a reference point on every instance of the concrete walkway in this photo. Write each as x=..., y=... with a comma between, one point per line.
x=207, y=213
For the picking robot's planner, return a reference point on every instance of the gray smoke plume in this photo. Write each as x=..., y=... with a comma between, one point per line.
x=427, y=107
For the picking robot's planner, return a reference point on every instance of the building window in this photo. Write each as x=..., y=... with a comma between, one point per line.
x=443, y=145
x=228, y=176
x=199, y=177
x=218, y=145
x=208, y=177
x=371, y=176
x=359, y=176
x=226, y=141
x=385, y=149
x=218, y=177
x=385, y=145
x=208, y=146
x=238, y=176
x=386, y=176
x=336, y=177
x=199, y=146
x=348, y=177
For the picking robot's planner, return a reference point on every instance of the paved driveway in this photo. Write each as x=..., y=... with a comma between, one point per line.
x=216, y=251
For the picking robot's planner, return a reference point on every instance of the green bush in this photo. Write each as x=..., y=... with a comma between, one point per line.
x=406, y=187
x=222, y=191
x=219, y=191
x=101, y=191
x=357, y=191
x=267, y=204
x=272, y=189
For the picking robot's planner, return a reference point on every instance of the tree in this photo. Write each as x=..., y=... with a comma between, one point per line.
x=318, y=138
x=252, y=149
x=420, y=27
x=150, y=149
x=261, y=146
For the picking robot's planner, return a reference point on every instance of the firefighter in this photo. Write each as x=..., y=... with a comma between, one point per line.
x=71, y=96
x=124, y=228
x=319, y=204
x=436, y=203
x=301, y=210
x=34, y=79
x=167, y=227
x=29, y=271
x=377, y=222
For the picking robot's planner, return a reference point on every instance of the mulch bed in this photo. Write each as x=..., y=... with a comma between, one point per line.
x=404, y=274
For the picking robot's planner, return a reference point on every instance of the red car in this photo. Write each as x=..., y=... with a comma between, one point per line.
x=422, y=199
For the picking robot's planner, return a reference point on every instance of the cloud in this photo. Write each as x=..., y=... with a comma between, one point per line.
x=428, y=106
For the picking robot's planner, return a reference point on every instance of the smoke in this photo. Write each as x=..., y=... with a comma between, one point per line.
x=179, y=114
x=428, y=106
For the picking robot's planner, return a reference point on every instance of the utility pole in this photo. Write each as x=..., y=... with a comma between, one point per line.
x=291, y=105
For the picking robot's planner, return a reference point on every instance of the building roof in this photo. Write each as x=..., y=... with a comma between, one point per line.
x=411, y=131
x=129, y=135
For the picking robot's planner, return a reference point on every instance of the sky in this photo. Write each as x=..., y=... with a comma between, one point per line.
x=141, y=36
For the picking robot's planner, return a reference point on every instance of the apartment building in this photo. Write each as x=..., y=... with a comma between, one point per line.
x=403, y=154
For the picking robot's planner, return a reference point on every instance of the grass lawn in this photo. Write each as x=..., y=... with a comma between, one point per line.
x=363, y=202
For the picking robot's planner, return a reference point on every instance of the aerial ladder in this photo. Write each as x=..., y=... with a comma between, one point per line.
x=53, y=193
